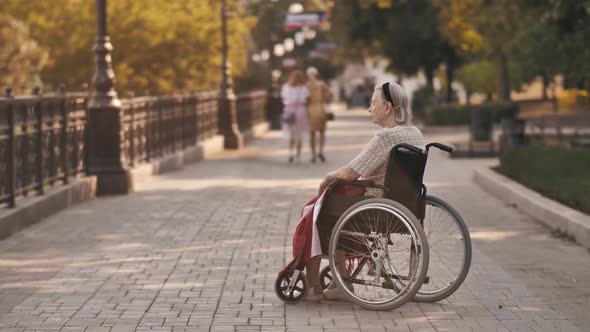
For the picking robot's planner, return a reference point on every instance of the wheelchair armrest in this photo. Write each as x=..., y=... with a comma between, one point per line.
x=357, y=183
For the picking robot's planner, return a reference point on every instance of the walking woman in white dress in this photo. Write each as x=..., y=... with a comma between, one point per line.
x=295, y=120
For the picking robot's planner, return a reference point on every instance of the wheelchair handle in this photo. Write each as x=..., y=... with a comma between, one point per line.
x=443, y=147
x=408, y=147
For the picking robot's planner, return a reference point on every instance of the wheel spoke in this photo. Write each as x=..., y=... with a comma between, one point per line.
x=387, y=235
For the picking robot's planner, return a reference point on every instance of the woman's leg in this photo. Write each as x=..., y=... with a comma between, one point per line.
x=313, y=271
x=291, y=146
x=298, y=145
x=322, y=143
x=315, y=291
x=312, y=144
x=341, y=261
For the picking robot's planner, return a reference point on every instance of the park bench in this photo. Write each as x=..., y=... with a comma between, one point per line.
x=570, y=129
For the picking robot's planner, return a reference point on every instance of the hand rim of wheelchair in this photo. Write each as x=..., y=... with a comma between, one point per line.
x=435, y=296
x=418, y=238
x=288, y=296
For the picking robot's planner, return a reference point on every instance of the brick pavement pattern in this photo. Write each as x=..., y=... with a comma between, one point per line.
x=199, y=250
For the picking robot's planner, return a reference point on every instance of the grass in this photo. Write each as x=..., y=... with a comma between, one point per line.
x=559, y=173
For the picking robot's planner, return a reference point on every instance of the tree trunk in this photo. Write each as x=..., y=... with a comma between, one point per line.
x=468, y=96
x=504, y=84
x=450, y=71
x=545, y=84
x=429, y=73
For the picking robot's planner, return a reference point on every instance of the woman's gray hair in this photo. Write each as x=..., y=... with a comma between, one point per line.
x=401, y=102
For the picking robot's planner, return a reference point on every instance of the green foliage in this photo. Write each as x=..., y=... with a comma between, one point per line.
x=256, y=78
x=522, y=37
x=21, y=57
x=572, y=19
x=558, y=173
x=455, y=114
x=421, y=100
x=406, y=33
x=159, y=46
x=479, y=76
x=447, y=115
x=539, y=52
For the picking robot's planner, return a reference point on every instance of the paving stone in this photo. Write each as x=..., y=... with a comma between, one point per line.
x=199, y=250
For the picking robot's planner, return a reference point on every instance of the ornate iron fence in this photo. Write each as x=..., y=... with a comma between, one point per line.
x=43, y=138
x=41, y=142
x=251, y=109
x=156, y=126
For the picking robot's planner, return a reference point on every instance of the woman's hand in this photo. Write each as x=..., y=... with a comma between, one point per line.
x=345, y=173
x=325, y=182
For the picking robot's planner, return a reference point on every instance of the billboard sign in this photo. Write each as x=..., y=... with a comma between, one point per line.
x=305, y=19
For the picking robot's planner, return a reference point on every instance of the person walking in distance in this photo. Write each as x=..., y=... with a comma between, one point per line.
x=295, y=97
x=319, y=95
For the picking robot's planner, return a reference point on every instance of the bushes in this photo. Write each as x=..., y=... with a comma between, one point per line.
x=454, y=114
x=558, y=173
x=422, y=99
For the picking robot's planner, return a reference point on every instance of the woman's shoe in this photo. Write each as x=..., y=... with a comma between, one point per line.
x=334, y=294
x=313, y=160
x=290, y=159
x=322, y=158
x=313, y=298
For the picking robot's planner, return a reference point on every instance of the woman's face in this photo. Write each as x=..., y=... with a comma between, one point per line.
x=379, y=109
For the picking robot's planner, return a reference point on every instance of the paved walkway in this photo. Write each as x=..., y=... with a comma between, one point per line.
x=199, y=249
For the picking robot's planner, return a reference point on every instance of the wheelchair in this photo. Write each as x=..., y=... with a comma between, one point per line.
x=386, y=251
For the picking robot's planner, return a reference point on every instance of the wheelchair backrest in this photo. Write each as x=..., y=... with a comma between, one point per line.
x=403, y=178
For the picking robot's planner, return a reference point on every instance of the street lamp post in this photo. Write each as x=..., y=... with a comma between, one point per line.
x=228, y=122
x=274, y=104
x=105, y=126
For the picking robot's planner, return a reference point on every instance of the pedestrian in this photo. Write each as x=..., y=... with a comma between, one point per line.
x=295, y=97
x=319, y=95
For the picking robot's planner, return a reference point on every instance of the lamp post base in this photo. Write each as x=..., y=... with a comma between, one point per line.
x=228, y=122
x=119, y=182
x=233, y=141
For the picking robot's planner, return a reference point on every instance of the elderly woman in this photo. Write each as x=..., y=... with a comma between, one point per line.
x=391, y=110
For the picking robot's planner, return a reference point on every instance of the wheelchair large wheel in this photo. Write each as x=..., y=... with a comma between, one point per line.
x=450, y=251
x=378, y=254
x=291, y=287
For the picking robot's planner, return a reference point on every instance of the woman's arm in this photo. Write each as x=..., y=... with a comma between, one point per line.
x=344, y=173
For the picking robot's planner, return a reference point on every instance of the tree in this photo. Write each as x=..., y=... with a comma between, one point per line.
x=405, y=32
x=159, y=46
x=478, y=77
x=21, y=57
x=572, y=19
x=486, y=27
x=538, y=53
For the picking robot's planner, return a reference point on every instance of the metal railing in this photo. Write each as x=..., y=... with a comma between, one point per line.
x=251, y=109
x=156, y=126
x=42, y=140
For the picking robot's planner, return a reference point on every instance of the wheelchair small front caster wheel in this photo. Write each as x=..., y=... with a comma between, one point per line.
x=325, y=277
x=291, y=287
